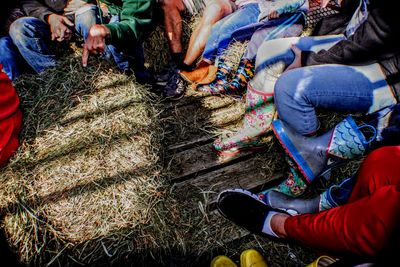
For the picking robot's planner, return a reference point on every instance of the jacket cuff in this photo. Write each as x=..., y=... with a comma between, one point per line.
x=44, y=15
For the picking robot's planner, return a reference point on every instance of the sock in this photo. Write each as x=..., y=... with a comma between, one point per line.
x=267, y=225
x=186, y=67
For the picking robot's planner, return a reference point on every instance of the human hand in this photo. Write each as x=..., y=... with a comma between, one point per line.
x=59, y=27
x=73, y=5
x=297, y=59
x=95, y=42
x=273, y=15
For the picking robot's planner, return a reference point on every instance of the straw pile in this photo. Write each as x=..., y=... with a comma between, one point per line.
x=87, y=176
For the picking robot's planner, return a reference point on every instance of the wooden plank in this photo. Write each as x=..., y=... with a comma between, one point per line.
x=200, y=160
x=197, y=122
x=247, y=174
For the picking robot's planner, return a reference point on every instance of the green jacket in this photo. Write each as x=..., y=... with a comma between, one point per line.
x=135, y=19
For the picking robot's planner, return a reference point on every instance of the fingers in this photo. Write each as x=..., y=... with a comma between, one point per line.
x=68, y=22
x=85, y=55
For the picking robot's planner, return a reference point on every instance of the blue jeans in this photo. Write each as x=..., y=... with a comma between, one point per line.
x=283, y=27
x=273, y=56
x=221, y=33
x=336, y=87
x=10, y=58
x=32, y=37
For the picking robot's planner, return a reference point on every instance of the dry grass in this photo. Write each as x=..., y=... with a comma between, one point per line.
x=90, y=184
x=88, y=172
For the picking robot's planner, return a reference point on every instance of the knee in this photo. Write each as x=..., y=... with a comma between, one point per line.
x=215, y=10
x=286, y=87
x=86, y=16
x=22, y=28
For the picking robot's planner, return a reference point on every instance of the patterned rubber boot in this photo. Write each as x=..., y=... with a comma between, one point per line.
x=293, y=186
x=221, y=80
x=244, y=74
x=260, y=111
x=351, y=138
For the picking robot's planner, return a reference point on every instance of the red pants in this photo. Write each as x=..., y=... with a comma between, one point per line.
x=366, y=223
x=10, y=119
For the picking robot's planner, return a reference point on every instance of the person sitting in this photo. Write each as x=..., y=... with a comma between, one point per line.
x=275, y=56
x=210, y=26
x=365, y=226
x=120, y=34
x=10, y=119
x=277, y=19
x=10, y=57
x=214, y=11
x=48, y=22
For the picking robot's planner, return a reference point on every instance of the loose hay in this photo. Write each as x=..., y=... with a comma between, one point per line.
x=89, y=186
x=88, y=175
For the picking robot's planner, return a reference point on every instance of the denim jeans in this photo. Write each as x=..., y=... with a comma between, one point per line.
x=32, y=37
x=221, y=33
x=10, y=57
x=283, y=27
x=336, y=87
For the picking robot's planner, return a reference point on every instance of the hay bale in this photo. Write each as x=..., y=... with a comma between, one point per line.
x=87, y=176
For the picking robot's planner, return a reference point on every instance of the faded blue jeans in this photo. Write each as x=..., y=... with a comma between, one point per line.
x=221, y=33
x=10, y=58
x=300, y=91
x=32, y=37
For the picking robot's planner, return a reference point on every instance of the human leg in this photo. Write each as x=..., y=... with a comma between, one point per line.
x=221, y=35
x=214, y=11
x=364, y=225
x=10, y=57
x=85, y=18
x=244, y=17
x=335, y=87
x=10, y=119
x=173, y=27
x=32, y=38
x=279, y=28
x=272, y=58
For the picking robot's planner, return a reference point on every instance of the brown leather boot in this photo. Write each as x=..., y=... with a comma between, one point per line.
x=198, y=74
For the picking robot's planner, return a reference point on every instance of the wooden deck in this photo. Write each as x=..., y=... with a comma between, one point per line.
x=192, y=124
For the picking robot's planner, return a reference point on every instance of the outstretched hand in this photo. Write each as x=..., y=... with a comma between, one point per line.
x=297, y=59
x=59, y=27
x=95, y=42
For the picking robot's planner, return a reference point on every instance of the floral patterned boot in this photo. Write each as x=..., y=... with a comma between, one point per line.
x=260, y=111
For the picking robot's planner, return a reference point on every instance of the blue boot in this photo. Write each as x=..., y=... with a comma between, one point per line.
x=316, y=156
